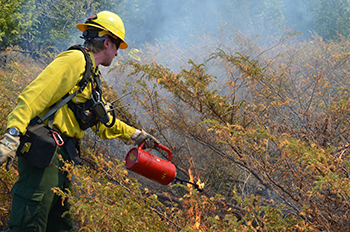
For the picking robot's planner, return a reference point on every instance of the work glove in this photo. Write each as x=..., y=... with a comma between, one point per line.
x=147, y=138
x=8, y=148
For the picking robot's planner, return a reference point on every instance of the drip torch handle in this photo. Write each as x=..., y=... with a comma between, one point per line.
x=162, y=147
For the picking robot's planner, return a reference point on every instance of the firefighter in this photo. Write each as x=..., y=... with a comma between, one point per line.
x=35, y=207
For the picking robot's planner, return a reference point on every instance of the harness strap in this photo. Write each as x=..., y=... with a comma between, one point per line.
x=72, y=146
x=57, y=106
x=88, y=67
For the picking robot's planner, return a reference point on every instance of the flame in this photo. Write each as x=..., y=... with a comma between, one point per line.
x=190, y=174
x=191, y=178
x=198, y=219
x=200, y=184
x=195, y=209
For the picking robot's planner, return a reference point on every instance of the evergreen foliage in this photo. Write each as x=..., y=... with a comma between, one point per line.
x=16, y=19
x=331, y=18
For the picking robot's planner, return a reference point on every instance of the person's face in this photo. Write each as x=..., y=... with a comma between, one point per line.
x=110, y=52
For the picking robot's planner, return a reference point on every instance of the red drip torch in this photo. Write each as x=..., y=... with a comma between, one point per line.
x=154, y=168
x=150, y=166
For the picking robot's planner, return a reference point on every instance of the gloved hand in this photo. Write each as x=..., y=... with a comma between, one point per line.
x=147, y=138
x=8, y=148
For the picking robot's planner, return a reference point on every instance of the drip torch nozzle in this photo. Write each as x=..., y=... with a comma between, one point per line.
x=181, y=181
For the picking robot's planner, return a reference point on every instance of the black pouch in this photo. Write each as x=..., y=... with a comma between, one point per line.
x=39, y=145
x=84, y=114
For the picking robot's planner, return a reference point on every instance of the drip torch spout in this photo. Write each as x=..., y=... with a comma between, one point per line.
x=181, y=181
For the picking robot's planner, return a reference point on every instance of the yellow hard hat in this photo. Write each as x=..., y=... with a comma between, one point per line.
x=109, y=22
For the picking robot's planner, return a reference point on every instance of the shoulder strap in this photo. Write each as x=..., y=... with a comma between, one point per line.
x=82, y=83
x=88, y=66
x=57, y=106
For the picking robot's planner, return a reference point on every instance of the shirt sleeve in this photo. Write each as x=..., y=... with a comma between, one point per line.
x=56, y=80
x=119, y=130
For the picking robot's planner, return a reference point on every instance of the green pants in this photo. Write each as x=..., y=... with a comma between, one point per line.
x=35, y=207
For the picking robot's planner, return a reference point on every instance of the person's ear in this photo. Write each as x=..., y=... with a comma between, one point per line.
x=106, y=42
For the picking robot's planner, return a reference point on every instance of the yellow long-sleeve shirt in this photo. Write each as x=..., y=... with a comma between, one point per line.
x=56, y=80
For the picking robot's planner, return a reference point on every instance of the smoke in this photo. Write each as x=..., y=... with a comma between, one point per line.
x=299, y=16
x=183, y=24
x=179, y=19
x=159, y=21
x=152, y=22
x=185, y=21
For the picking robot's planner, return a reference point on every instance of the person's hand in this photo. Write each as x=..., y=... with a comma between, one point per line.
x=147, y=138
x=8, y=148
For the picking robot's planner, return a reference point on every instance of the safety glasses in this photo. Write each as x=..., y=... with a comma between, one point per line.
x=117, y=42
